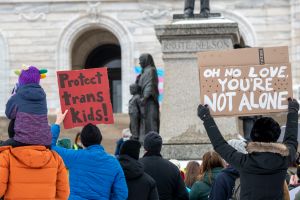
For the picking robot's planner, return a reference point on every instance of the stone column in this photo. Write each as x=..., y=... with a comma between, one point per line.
x=182, y=131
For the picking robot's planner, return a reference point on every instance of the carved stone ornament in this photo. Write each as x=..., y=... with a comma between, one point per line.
x=156, y=14
x=94, y=10
x=32, y=13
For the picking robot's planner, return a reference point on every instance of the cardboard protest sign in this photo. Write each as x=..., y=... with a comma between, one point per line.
x=243, y=57
x=245, y=89
x=85, y=93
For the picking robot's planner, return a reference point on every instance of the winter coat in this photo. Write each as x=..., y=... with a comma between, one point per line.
x=94, y=174
x=169, y=183
x=201, y=189
x=223, y=186
x=141, y=186
x=29, y=107
x=263, y=170
x=32, y=172
x=118, y=146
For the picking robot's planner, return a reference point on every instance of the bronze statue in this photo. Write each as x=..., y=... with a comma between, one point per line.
x=135, y=111
x=149, y=105
x=189, y=8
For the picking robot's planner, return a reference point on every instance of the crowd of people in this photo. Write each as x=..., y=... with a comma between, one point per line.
x=35, y=165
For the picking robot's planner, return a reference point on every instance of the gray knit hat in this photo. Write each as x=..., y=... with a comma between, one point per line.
x=153, y=142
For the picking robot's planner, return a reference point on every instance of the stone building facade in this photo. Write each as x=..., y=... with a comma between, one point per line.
x=71, y=34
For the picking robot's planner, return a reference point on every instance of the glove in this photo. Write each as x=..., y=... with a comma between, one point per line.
x=203, y=112
x=293, y=106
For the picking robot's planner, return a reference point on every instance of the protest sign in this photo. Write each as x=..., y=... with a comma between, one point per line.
x=85, y=93
x=245, y=89
x=243, y=57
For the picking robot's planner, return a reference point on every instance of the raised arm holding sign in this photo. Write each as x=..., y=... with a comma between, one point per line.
x=231, y=85
x=85, y=94
x=246, y=85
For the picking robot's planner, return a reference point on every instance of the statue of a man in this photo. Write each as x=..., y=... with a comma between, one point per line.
x=148, y=83
x=189, y=8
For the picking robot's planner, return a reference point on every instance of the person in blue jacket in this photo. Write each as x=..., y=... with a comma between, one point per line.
x=94, y=174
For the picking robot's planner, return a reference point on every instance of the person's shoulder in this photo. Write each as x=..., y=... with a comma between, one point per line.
x=197, y=185
x=58, y=159
x=222, y=178
x=149, y=179
x=110, y=158
x=5, y=151
x=120, y=141
x=56, y=155
x=200, y=185
x=171, y=165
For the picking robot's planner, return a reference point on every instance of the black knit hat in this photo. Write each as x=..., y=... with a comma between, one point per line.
x=153, y=142
x=131, y=148
x=11, y=128
x=90, y=135
x=265, y=129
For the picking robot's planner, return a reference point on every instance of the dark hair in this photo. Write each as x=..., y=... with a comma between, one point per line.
x=265, y=129
x=192, y=173
x=90, y=135
x=77, y=137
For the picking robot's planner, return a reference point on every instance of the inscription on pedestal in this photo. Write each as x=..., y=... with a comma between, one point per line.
x=169, y=46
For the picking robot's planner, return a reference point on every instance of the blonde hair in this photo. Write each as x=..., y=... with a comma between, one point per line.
x=192, y=173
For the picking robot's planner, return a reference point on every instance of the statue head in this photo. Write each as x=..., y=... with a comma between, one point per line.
x=134, y=89
x=146, y=60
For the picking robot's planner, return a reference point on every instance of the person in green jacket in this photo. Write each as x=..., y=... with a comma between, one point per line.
x=212, y=165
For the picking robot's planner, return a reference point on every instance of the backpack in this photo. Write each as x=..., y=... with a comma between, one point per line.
x=236, y=190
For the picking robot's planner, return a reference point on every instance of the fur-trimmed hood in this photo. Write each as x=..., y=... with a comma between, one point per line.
x=262, y=147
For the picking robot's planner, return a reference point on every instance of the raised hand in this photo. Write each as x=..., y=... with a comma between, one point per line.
x=203, y=112
x=293, y=106
x=60, y=117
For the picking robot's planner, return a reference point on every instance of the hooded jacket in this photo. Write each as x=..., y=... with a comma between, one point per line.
x=224, y=184
x=32, y=172
x=263, y=170
x=29, y=107
x=167, y=176
x=94, y=174
x=140, y=185
x=201, y=189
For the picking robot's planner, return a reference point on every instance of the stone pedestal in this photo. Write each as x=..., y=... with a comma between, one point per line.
x=182, y=131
